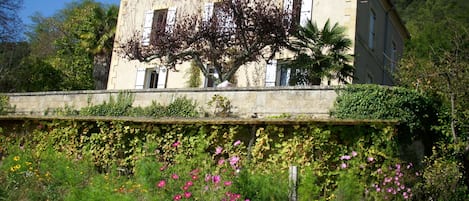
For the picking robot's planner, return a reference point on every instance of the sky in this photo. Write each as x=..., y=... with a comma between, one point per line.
x=48, y=7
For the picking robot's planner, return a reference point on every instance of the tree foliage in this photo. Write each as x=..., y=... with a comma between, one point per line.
x=9, y=20
x=439, y=63
x=63, y=51
x=321, y=53
x=239, y=32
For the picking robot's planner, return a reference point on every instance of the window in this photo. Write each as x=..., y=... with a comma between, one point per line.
x=152, y=79
x=209, y=81
x=224, y=19
x=299, y=11
x=278, y=74
x=149, y=78
x=156, y=22
x=371, y=34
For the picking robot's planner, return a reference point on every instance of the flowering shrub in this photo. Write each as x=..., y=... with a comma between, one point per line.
x=386, y=180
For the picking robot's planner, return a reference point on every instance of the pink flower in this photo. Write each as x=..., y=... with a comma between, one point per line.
x=409, y=166
x=174, y=176
x=176, y=144
x=234, y=160
x=161, y=184
x=346, y=157
x=216, y=179
x=194, y=177
x=370, y=159
x=354, y=153
x=189, y=183
x=208, y=177
x=187, y=194
x=237, y=143
x=227, y=183
x=195, y=171
x=221, y=161
x=177, y=197
x=162, y=168
x=185, y=188
x=343, y=165
x=218, y=150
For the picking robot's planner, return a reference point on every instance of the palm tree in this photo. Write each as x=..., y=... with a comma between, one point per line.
x=320, y=54
x=98, y=40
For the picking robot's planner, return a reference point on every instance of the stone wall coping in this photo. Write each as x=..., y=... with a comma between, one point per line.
x=178, y=90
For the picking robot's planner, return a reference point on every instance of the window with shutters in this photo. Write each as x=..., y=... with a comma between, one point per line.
x=215, y=10
x=299, y=12
x=149, y=78
x=157, y=22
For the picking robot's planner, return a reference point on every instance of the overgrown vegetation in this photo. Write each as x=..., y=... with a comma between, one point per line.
x=5, y=105
x=423, y=118
x=140, y=161
x=122, y=106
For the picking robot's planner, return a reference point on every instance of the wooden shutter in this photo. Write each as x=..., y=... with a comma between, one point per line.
x=306, y=11
x=140, y=78
x=147, y=27
x=271, y=73
x=162, y=76
x=170, y=19
x=208, y=12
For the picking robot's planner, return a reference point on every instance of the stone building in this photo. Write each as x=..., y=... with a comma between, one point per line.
x=374, y=26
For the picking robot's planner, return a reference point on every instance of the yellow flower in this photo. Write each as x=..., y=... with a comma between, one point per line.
x=16, y=158
x=28, y=163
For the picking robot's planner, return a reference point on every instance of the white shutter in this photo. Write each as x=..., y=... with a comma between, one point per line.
x=208, y=12
x=140, y=79
x=147, y=25
x=271, y=73
x=288, y=9
x=162, y=76
x=306, y=11
x=170, y=19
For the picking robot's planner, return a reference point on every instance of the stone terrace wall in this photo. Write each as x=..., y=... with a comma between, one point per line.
x=313, y=101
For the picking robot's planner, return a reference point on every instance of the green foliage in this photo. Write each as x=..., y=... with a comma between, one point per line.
x=443, y=176
x=4, y=104
x=321, y=54
x=348, y=188
x=221, y=106
x=194, y=76
x=182, y=107
x=133, y=157
x=116, y=107
x=257, y=186
x=415, y=110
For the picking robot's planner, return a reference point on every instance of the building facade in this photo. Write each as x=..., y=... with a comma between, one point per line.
x=374, y=26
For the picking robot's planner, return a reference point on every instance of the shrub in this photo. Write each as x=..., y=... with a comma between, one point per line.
x=119, y=106
x=182, y=107
x=4, y=105
x=221, y=106
x=416, y=112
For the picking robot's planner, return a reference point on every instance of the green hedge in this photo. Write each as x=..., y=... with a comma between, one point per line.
x=416, y=112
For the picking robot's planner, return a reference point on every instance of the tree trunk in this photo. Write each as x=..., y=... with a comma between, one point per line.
x=102, y=64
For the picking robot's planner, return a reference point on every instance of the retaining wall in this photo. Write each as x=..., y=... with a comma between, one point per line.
x=312, y=101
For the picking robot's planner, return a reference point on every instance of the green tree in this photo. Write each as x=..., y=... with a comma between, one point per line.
x=76, y=41
x=439, y=63
x=321, y=53
x=98, y=39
